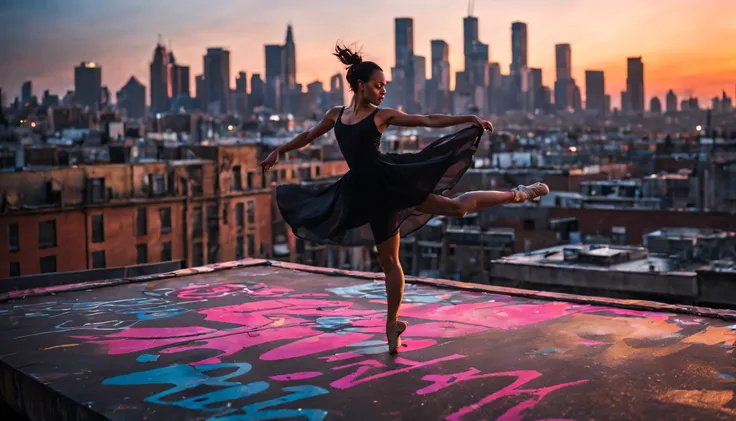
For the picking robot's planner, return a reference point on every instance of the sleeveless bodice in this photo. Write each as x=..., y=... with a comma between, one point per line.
x=360, y=143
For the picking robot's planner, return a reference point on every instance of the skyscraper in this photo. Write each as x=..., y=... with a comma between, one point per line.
x=564, y=85
x=257, y=91
x=240, y=95
x=179, y=78
x=635, y=84
x=200, y=91
x=160, y=81
x=337, y=90
x=404, y=31
x=563, y=61
x=655, y=105
x=595, y=91
x=289, y=66
x=440, y=65
x=519, y=46
x=420, y=83
x=217, y=80
x=274, y=76
x=671, y=101
x=26, y=91
x=470, y=38
x=535, y=92
x=131, y=99
x=88, y=85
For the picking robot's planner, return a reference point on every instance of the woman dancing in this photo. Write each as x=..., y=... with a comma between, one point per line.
x=385, y=196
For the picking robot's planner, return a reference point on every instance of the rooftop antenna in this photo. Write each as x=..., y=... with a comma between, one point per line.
x=471, y=5
x=160, y=39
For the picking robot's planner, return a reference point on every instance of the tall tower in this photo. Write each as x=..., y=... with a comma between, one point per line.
x=274, y=76
x=404, y=71
x=289, y=65
x=88, y=85
x=160, y=81
x=217, y=80
x=564, y=85
x=470, y=35
x=519, y=52
x=635, y=84
x=595, y=91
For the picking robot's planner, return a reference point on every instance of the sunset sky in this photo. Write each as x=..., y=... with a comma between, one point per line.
x=686, y=45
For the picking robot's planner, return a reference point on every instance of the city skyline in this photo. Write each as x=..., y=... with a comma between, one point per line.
x=702, y=63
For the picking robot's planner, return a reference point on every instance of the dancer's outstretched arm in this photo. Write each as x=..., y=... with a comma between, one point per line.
x=389, y=116
x=303, y=139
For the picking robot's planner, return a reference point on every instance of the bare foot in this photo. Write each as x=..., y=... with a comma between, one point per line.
x=393, y=333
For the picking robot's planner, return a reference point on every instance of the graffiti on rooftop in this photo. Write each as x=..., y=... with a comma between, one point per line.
x=217, y=335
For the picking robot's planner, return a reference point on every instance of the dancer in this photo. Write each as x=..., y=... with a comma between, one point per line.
x=384, y=196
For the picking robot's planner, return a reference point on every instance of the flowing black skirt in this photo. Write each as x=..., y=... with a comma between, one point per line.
x=370, y=204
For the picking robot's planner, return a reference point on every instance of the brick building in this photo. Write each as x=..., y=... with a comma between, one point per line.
x=215, y=207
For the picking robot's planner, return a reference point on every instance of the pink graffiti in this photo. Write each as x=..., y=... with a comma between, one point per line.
x=590, y=342
x=207, y=291
x=441, y=381
x=496, y=315
x=159, y=332
x=352, y=379
x=296, y=376
x=314, y=345
x=263, y=312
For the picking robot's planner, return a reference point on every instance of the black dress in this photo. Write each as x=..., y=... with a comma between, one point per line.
x=377, y=197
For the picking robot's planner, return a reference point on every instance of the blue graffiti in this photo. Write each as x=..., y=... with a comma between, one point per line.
x=147, y=358
x=255, y=411
x=186, y=378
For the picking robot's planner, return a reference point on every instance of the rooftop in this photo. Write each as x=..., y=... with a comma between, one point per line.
x=267, y=340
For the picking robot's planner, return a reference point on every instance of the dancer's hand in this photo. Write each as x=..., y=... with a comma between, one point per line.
x=270, y=161
x=483, y=124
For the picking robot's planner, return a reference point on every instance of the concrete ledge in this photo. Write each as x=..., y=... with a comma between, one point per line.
x=717, y=288
x=47, y=280
x=675, y=284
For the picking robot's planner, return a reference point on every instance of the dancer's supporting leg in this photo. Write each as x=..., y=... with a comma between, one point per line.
x=388, y=255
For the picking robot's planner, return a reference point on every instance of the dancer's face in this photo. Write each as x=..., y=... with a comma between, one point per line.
x=374, y=90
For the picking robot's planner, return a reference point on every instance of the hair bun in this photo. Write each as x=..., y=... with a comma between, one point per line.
x=346, y=56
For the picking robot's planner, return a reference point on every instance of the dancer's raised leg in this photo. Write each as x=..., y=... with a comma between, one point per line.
x=475, y=201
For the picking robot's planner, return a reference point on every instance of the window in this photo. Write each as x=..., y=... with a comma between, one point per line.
x=13, y=238
x=98, y=260
x=166, y=251
x=14, y=268
x=224, y=214
x=249, y=181
x=251, y=245
x=48, y=264
x=165, y=215
x=240, y=215
x=274, y=175
x=197, y=222
x=213, y=222
x=197, y=254
x=97, y=189
x=237, y=178
x=317, y=171
x=158, y=184
x=98, y=229
x=213, y=251
x=141, y=253
x=240, y=248
x=47, y=235
x=251, y=212
x=529, y=225
x=141, y=222
x=283, y=175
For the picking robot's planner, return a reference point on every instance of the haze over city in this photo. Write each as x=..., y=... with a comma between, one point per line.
x=685, y=45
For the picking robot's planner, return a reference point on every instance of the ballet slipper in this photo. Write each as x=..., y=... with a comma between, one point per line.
x=393, y=333
x=531, y=192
